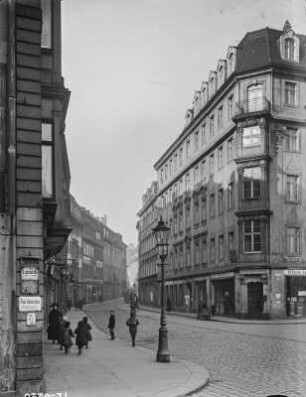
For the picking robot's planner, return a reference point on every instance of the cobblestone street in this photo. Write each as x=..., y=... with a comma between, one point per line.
x=242, y=359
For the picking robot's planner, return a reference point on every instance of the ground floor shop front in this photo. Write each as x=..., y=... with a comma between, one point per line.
x=248, y=293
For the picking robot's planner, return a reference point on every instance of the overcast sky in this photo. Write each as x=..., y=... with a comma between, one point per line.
x=132, y=67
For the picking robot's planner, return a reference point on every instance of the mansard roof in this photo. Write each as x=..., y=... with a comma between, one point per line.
x=261, y=48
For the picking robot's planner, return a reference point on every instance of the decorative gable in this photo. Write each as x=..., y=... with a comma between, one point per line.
x=188, y=116
x=221, y=71
x=231, y=58
x=204, y=92
x=289, y=44
x=212, y=82
x=197, y=102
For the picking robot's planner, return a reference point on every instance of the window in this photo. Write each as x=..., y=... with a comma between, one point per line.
x=203, y=134
x=290, y=49
x=251, y=183
x=203, y=170
x=230, y=64
x=212, y=249
x=220, y=157
x=230, y=107
x=212, y=125
x=212, y=205
x=292, y=140
x=290, y=93
x=230, y=198
x=181, y=156
x=187, y=182
x=230, y=150
x=180, y=221
x=162, y=175
x=293, y=188
x=187, y=149
x=203, y=207
x=255, y=98
x=188, y=220
x=196, y=175
x=170, y=167
x=196, y=141
x=196, y=212
x=221, y=247
x=47, y=160
x=46, y=34
x=181, y=186
x=188, y=255
x=230, y=241
x=293, y=241
x=220, y=201
x=166, y=172
x=220, y=117
x=251, y=136
x=204, y=249
x=175, y=162
x=212, y=164
x=197, y=251
x=251, y=236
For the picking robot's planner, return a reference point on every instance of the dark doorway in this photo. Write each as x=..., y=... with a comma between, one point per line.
x=255, y=300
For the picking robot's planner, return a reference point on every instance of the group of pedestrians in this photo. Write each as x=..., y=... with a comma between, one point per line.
x=59, y=331
x=132, y=322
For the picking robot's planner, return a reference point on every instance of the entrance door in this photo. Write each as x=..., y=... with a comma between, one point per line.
x=255, y=98
x=255, y=299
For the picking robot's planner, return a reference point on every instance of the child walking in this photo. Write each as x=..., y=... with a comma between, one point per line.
x=81, y=339
x=68, y=335
x=88, y=328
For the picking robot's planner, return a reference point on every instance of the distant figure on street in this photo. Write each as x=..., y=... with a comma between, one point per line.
x=61, y=335
x=132, y=323
x=111, y=324
x=88, y=328
x=68, y=335
x=54, y=328
x=81, y=336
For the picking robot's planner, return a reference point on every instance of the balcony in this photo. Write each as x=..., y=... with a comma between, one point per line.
x=250, y=107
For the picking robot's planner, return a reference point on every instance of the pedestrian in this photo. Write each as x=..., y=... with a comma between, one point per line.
x=68, y=335
x=111, y=324
x=81, y=336
x=132, y=323
x=61, y=335
x=88, y=327
x=54, y=328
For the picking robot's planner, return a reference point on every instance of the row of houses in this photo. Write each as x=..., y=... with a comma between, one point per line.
x=51, y=249
x=231, y=188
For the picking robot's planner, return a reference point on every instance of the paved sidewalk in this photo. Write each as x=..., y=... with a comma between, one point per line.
x=289, y=320
x=115, y=369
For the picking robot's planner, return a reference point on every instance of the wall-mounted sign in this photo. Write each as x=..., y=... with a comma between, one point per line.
x=29, y=287
x=29, y=303
x=301, y=293
x=31, y=319
x=295, y=272
x=29, y=273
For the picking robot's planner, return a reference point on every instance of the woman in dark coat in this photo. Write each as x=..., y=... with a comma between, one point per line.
x=54, y=328
x=88, y=328
x=81, y=336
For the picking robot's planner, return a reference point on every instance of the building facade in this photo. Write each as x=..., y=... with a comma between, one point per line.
x=96, y=258
x=34, y=179
x=232, y=185
x=148, y=285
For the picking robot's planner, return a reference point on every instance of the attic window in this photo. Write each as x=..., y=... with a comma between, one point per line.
x=289, y=45
x=289, y=49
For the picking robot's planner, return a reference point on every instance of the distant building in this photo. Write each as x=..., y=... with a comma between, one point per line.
x=232, y=185
x=96, y=258
x=148, y=271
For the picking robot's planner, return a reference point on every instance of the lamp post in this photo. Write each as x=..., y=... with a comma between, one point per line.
x=162, y=233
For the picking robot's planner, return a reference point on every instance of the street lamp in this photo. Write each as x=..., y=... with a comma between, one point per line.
x=162, y=233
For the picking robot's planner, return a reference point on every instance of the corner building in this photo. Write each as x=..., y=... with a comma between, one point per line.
x=232, y=185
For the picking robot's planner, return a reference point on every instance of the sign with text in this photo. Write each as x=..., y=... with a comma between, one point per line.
x=29, y=287
x=31, y=319
x=30, y=303
x=29, y=276
x=29, y=273
x=295, y=272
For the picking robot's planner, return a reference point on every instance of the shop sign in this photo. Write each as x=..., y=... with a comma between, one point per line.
x=29, y=303
x=301, y=293
x=295, y=272
x=29, y=273
x=31, y=319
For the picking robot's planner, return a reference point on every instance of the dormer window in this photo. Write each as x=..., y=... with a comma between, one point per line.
x=221, y=72
x=289, y=44
x=204, y=93
x=289, y=49
x=231, y=59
